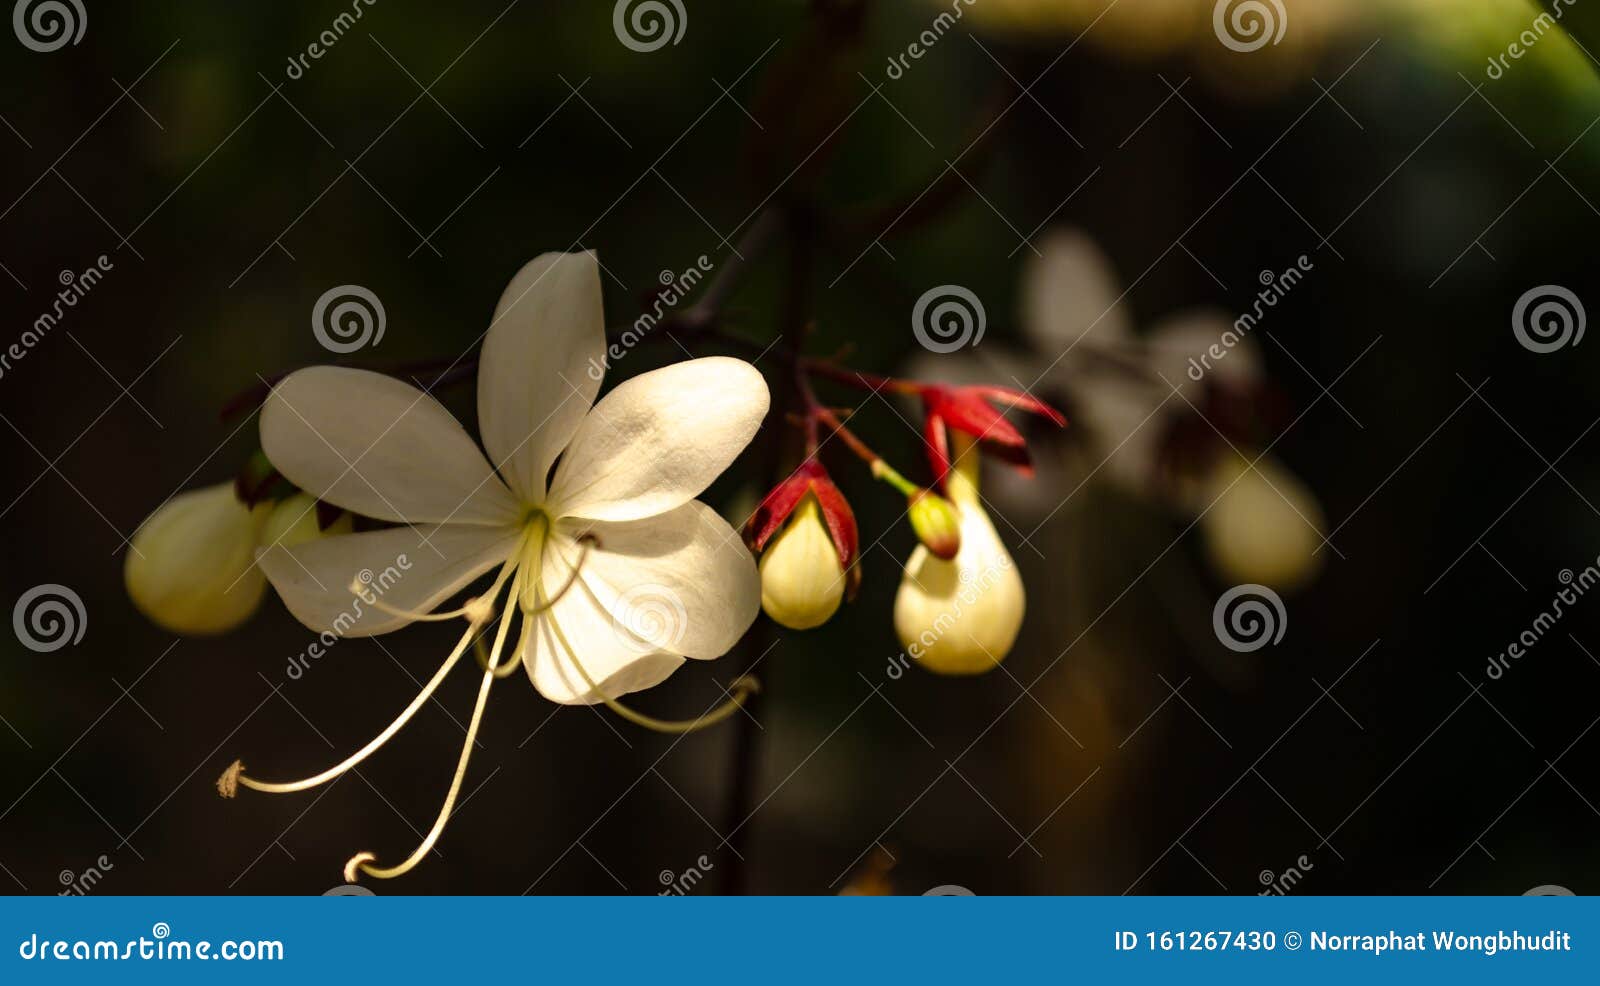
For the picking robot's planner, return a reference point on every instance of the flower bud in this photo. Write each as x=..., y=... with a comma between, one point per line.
x=191, y=565
x=298, y=519
x=961, y=616
x=936, y=522
x=1263, y=526
x=802, y=579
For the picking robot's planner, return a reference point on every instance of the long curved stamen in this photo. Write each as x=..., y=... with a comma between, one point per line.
x=363, y=861
x=234, y=776
x=586, y=541
x=478, y=609
x=739, y=692
x=481, y=655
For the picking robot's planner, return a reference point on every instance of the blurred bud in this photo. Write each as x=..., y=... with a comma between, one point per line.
x=961, y=616
x=1263, y=525
x=191, y=565
x=802, y=580
x=299, y=518
x=936, y=522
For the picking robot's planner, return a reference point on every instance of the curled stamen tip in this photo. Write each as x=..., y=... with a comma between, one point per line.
x=479, y=610
x=228, y=783
x=746, y=683
x=352, y=869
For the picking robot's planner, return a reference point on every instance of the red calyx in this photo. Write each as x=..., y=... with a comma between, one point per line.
x=781, y=501
x=979, y=411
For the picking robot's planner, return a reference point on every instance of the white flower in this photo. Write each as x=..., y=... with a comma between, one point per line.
x=191, y=566
x=613, y=571
x=961, y=616
x=630, y=467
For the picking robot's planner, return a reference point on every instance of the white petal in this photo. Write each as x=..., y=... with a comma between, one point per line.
x=542, y=363
x=683, y=580
x=577, y=640
x=1070, y=291
x=379, y=447
x=659, y=439
x=315, y=578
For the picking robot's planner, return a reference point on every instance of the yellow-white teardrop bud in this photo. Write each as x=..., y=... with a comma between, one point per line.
x=802, y=580
x=961, y=616
x=1263, y=527
x=191, y=566
x=294, y=521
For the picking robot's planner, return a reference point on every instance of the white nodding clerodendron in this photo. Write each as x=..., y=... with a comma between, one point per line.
x=961, y=616
x=613, y=572
x=802, y=578
x=1263, y=523
x=191, y=565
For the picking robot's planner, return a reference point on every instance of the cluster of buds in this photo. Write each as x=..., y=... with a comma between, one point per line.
x=961, y=600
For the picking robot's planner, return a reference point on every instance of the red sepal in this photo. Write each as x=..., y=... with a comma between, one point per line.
x=979, y=411
x=775, y=508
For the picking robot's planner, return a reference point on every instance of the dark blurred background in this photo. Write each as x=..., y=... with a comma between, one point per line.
x=435, y=148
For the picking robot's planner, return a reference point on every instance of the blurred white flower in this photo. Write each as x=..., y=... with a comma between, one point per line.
x=1145, y=414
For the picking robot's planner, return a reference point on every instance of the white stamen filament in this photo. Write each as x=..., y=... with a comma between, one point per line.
x=363, y=861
